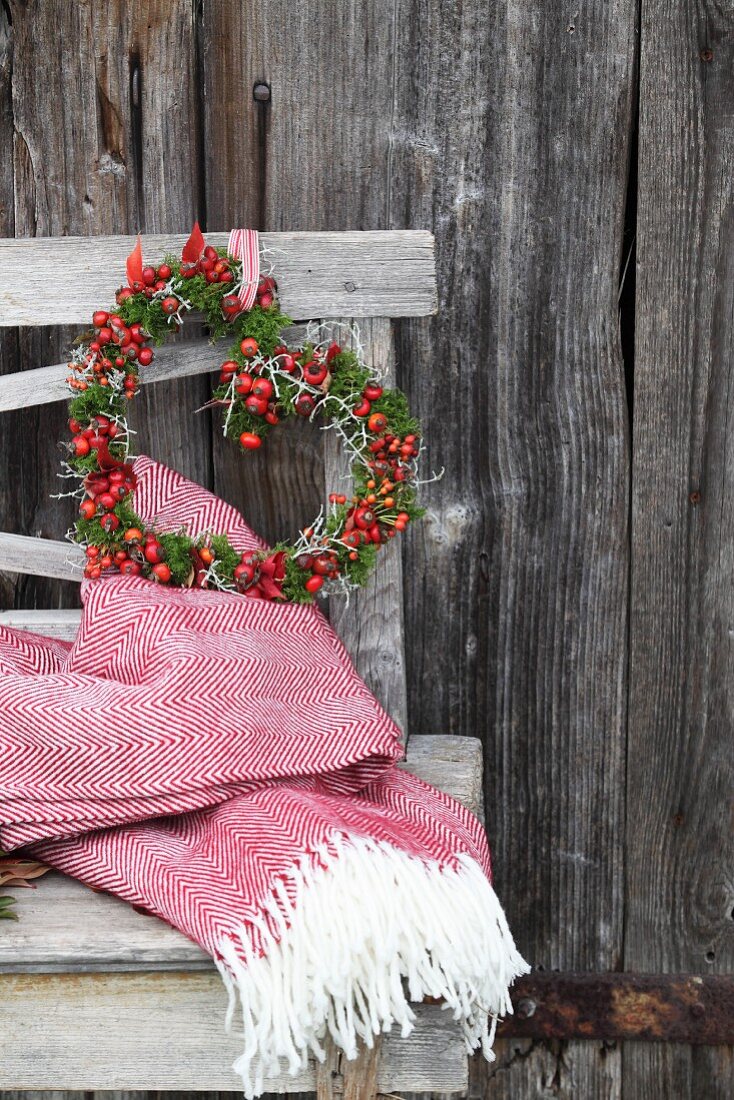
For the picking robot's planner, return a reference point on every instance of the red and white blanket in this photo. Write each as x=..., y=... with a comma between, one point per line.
x=217, y=761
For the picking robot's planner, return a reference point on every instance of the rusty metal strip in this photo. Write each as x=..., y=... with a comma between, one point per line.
x=678, y=1008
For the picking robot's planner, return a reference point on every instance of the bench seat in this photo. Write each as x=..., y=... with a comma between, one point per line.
x=96, y=996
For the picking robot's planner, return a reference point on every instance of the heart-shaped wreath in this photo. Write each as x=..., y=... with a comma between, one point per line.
x=261, y=382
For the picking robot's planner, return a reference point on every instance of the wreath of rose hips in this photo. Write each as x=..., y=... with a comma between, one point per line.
x=261, y=382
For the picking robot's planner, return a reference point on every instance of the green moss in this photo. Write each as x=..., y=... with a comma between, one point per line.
x=177, y=548
x=226, y=556
x=294, y=585
x=96, y=401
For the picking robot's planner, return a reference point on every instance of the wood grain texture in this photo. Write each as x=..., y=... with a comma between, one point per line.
x=451, y=763
x=362, y=1074
x=166, y=1032
x=36, y=203
x=511, y=129
x=9, y=339
x=543, y=522
x=319, y=274
x=43, y=385
x=680, y=900
x=86, y=164
x=39, y=557
x=314, y=158
x=54, y=624
x=370, y=622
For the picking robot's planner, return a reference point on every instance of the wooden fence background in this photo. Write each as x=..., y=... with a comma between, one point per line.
x=569, y=598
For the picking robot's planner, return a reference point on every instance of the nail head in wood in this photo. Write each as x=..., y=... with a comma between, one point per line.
x=261, y=92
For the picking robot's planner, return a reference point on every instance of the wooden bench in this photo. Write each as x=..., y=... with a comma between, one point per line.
x=93, y=995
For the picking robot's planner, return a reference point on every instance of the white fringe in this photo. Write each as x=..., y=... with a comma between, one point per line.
x=371, y=929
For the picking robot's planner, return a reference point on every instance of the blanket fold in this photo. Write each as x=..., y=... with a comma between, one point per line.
x=217, y=761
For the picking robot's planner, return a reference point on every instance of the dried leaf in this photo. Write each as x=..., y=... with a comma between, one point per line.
x=20, y=872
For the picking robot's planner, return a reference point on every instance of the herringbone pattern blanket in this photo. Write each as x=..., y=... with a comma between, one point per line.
x=217, y=761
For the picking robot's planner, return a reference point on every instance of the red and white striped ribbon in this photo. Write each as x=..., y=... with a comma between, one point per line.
x=244, y=245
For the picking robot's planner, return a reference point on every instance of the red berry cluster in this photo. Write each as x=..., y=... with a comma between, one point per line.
x=214, y=268
x=390, y=454
x=265, y=297
x=96, y=435
x=115, y=346
x=152, y=280
x=141, y=551
x=323, y=565
x=369, y=519
x=258, y=391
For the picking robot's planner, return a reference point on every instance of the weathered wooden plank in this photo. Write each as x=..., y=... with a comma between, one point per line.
x=342, y=182
x=127, y=172
x=9, y=339
x=451, y=763
x=150, y=93
x=520, y=572
x=39, y=557
x=319, y=274
x=66, y=927
x=510, y=135
x=152, y=1031
x=361, y=1075
x=54, y=624
x=550, y=1070
x=342, y=187
x=680, y=897
x=43, y=385
x=176, y=360
x=43, y=180
x=279, y=488
x=371, y=622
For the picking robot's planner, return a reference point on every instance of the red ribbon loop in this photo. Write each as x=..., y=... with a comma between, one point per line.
x=244, y=246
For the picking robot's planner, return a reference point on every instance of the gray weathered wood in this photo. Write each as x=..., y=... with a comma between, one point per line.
x=54, y=624
x=319, y=274
x=9, y=340
x=41, y=557
x=371, y=622
x=511, y=129
x=153, y=1031
x=43, y=385
x=68, y=928
x=350, y=190
x=84, y=164
x=516, y=583
x=451, y=763
x=680, y=898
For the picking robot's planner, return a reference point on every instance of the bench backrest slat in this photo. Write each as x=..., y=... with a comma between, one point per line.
x=371, y=274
